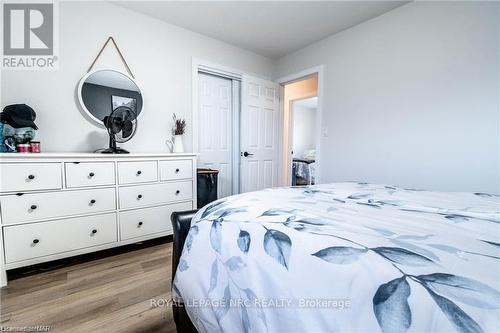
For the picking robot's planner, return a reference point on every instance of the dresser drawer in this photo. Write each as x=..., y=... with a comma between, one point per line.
x=176, y=169
x=89, y=174
x=146, y=221
x=137, y=172
x=155, y=194
x=35, y=240
x=19, y=177
x=29, y=207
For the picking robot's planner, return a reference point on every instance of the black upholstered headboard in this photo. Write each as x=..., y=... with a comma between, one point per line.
x=181, y=222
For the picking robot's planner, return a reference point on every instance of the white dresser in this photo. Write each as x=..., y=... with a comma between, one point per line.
x=59, y=205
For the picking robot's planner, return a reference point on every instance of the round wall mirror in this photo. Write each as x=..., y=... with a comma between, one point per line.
x=102, y=91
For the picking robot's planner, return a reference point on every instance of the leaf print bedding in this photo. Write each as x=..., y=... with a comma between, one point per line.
x=344, y=257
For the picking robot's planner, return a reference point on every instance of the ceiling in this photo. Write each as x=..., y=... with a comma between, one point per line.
x=271, y=28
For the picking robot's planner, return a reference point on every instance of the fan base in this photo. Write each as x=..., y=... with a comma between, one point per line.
x=113, y=151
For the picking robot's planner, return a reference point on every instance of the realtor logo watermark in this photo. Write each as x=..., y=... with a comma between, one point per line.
x=29, y=35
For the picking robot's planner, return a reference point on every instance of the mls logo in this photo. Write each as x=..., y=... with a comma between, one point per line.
x=29, y=35
x=28, y=29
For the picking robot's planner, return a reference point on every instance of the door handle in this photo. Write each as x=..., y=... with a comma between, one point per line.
x=246, y=154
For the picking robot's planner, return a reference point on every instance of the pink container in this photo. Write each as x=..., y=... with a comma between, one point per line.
x=23, y=148
x=35, y=146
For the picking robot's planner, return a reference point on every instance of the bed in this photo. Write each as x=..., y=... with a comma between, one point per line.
x=343, y=257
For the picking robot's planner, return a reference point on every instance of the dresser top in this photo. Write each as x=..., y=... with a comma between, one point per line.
x=62, y=155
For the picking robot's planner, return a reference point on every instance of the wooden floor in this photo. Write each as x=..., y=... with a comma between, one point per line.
x=108, y=293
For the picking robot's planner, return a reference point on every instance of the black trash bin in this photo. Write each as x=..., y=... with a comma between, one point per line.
x=207, y=186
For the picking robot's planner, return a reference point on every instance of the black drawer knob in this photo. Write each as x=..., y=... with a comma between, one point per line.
x=91, y=174
x=177, y=192
x=139, y=172
x=139, y=224
x=139, y=196
x=31, y=177
x=33, y=207
x=92, y=201
x=36, y=241
x=177, y=170
x=94, y=231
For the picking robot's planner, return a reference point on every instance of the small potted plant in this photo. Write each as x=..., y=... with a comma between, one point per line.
x=178, y=131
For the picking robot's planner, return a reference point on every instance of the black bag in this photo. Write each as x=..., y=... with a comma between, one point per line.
x=207, y=186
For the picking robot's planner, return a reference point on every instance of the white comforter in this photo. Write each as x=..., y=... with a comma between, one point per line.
x=344, y=257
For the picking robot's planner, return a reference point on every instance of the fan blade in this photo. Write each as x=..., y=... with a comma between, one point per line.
x=127, y=128
x=116, y=125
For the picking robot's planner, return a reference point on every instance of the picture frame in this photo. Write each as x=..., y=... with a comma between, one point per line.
x=117, y=101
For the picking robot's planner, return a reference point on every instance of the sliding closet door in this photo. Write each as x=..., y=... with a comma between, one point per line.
x=215, y=128
x=259, y=126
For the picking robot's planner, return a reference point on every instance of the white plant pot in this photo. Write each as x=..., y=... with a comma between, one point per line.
x=178, y=145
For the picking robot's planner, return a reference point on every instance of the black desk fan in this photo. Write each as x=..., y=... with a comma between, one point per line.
x=121, y=125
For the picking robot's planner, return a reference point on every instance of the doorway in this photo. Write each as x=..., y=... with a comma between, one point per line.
x=303, y=117
x=236, y=122
x=302, y=128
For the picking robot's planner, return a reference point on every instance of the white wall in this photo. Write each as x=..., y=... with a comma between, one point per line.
x=412, y=97
x=159, y=56
x=304, y=130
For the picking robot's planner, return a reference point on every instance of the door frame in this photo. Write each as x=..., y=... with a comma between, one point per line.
x=286, y=141
x=199, y=65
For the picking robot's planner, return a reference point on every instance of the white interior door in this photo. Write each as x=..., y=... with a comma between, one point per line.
x=259, y=126
x=215, y=128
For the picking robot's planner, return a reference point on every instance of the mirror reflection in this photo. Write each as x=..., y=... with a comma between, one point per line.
x=104, y=91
